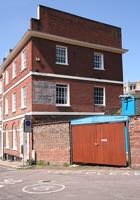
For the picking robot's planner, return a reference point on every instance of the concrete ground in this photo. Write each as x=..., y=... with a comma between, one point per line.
x=69, y=184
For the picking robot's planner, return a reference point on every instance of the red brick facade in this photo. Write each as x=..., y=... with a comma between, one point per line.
x=79, y=74
x=134, y=136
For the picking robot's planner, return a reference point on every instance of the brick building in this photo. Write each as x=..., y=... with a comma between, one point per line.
x=64, y=66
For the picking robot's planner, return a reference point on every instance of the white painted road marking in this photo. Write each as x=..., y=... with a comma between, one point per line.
x=9, y=182
x=43, y=188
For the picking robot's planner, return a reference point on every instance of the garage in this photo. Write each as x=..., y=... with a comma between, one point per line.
x=100, y=140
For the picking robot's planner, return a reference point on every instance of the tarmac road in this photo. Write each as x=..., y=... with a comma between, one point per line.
x=69, y=184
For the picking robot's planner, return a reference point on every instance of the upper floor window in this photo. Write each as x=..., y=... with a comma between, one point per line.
x=23, y=59
x=23, y=97
x=0, y=113
x=6, y=106
x=62, y=94
x=98, y=61
x=6, y=77
x=14, y=70
x=1, y=87
x=14, y=102
x=61, y=55
x=99, y=96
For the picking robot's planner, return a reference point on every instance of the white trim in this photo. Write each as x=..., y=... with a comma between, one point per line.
x=65, y=113
x=18, y=82
x=76, y=78
x=13, y=118
x=31, y=73
x=31, y=33
x=53, y=113
x=76, y=42
x=38, y=12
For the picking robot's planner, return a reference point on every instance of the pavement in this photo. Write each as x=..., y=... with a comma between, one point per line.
x=12, y=164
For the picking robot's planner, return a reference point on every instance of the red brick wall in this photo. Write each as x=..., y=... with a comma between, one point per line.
x=134, y=131
x=20, y=74
x=80, y=61
x=51, y=143
x=67, y=25
x=82, y=97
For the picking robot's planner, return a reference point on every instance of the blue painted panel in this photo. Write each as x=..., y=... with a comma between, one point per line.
x=128, y=106
x=126, y=138
x=99, y=119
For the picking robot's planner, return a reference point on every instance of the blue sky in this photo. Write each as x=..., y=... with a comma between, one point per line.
x=15, y=20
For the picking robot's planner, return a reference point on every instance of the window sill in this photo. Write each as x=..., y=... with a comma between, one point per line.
x=14, y=111
x=14, y=77
x=6, y=114
x=13, y=149
x=23, y=108
x=7, y=148
x=62, y=105
x=65, y=64
x=100, y=105
x=23, y=69
x=99, y=69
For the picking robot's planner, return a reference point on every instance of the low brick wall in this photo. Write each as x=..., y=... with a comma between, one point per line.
x=51, y=142
x=134, y=135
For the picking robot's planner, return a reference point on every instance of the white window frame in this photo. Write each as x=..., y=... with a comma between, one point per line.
x=68, y=95
x=6, y=76
x=7, y=142
x=104, y=96
x=102, y=61
x=6, y=106
x=14, y=69
x=0, y=113
x=14, y=98
x=66, y=55
x=23, y=97
x=1, y=87
x=15, y=138
x=23, y=59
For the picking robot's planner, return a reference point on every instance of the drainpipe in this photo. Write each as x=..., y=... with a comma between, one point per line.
x=70, y=137
x=129, y=148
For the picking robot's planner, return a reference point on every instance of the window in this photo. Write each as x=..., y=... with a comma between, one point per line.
x=99, y=96
x=98, y=61
x=6, y=106
x=6, y=77
x=23, y=60
x=62, y=94
x=23, y=97
x=14, y=138
x=14, y=70
x=0, y=87
x=0, y=113
x=14, y=102
x=7, y=138
x=61, y=55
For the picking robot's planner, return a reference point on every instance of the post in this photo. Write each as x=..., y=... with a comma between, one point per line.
x=23, y=148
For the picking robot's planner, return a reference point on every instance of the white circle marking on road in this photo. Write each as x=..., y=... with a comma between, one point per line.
x=43, y=188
